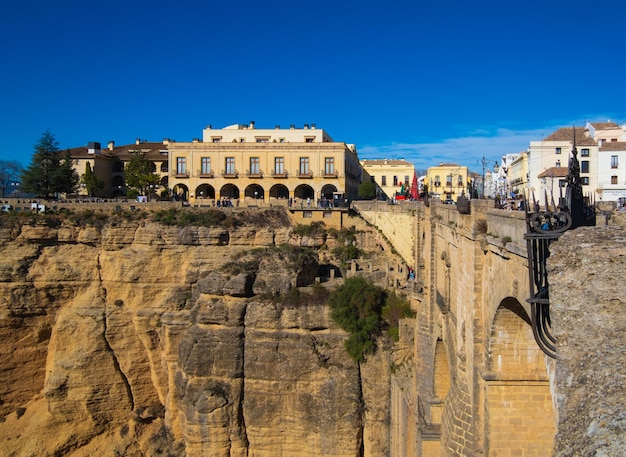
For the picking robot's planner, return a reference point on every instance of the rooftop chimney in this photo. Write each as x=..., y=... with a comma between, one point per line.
x=111, y=145
x=251, y=124
x=137, y=140
x=306, y=126
x=313, y=126
x=292, y=126
x=93, y=148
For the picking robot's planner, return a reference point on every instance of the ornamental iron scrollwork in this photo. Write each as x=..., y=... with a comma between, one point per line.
x=545, y=226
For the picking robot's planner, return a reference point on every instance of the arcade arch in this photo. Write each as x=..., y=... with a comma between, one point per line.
x=181, y=192
x=304, y=191
x=279, y=191
x=254, y=191
x=328, y=190
x=205, y=191
x=229, y=191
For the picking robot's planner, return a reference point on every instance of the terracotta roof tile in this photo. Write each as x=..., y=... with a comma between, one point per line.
x=604, y=125
x=554, y=172
x=613, y=146
x=567, y=134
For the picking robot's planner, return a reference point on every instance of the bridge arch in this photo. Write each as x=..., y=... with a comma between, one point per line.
x=518, y=397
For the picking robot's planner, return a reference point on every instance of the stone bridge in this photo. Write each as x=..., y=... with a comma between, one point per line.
x=469, y=379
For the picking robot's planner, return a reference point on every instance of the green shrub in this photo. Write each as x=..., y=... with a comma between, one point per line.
x=312, y=229
x=356, y=307
x=396, y=307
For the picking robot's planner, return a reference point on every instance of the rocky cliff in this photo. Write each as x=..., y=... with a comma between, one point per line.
x=129, y=337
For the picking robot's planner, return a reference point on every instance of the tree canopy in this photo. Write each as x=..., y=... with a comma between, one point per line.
x=49, y=173
x=139, y=174
x=367, y=190
x=92, y=183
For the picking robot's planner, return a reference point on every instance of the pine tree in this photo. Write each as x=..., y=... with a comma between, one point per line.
x=39, y=177
x=65, y=177
x=49, y=174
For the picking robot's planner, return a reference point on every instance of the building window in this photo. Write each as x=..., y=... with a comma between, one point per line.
x=309, y=140
x=254, y=165
x=614, y=162
x=329, y=166
x=383, y=181
x=279, y=165
x=205, y=165
x=460, y=181
x=406, y=180
x=613, y=179
x=230, y=166
x=558, y=164
x=584, y=152
x=437, y=181
x=304, y=165
x=449, y=180
x=562, y=182
x=216, y=139
x=181, y=165
x=584, y=181
x=557, y=151
x=584, y=166
x=262, y=140
x=395, y=180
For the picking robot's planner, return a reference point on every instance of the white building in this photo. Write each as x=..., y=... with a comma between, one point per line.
x=612, y=172
x=554, y=152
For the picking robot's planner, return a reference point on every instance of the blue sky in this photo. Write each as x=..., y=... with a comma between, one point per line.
x=428, y=82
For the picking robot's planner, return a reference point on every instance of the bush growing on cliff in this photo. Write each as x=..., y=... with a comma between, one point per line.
x=346, y=249
x=396, y=307
x=312, y=229
x=179, y=218
x=356, y=307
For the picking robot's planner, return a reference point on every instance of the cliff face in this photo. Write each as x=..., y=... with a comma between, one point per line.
x=131, y=339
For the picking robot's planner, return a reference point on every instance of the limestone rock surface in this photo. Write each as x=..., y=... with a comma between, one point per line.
x=129, y=339
x=588, y=305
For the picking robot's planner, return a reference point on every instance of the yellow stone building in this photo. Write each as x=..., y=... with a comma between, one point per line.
x=390, y=175
x=108, y=164
x=243, y=164
x=447, y=181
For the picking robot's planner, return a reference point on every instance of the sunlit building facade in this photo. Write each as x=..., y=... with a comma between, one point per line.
x=243, y=164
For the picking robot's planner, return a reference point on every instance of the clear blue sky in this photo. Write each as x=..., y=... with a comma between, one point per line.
x=425, y=81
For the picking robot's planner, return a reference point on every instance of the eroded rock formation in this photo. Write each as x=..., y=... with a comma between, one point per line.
x=134, y=339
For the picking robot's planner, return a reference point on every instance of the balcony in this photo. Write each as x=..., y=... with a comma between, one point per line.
x=281, y=174
x=205, y=174
x=305, y=174
x=254, y=173
x=230, y=174
x=181, y=175
x=330, y=174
